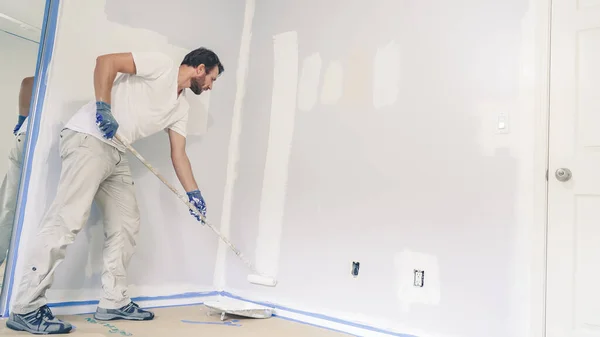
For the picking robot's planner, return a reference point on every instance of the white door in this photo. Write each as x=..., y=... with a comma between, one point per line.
x=573, y=293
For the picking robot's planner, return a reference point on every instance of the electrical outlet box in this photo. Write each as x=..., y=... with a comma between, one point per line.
x=419, y=279
x=355, y=267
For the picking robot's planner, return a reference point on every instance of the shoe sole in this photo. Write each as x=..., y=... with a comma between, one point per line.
x=19, y=327
x=113, y=317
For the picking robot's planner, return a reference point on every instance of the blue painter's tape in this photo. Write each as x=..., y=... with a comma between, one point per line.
x=45, y=51
x=72, y=304
x=19, y=36
x=139, y=299
x=319, y=316
x=316, y=326
x=178, y=296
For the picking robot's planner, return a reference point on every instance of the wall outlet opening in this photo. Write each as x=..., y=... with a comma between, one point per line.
x=419, y=279
x=355, y=267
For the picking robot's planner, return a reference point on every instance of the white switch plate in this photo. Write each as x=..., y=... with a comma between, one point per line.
x=502, y=123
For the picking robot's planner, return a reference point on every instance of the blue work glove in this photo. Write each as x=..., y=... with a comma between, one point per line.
x=197, y=200
x=19, y=123
x=105, y=120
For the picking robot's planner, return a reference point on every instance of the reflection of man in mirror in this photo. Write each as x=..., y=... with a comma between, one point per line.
x=136, y=95
x=10, y=184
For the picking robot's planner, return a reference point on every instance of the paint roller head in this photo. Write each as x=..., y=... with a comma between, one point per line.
x=262, y=280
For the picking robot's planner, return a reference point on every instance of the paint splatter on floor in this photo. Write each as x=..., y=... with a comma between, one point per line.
x=228, y=323
x=112, y=329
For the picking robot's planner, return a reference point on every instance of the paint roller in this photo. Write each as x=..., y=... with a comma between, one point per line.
x=255, y=278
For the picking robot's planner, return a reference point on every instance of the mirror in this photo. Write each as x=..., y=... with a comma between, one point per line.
x=20, y=31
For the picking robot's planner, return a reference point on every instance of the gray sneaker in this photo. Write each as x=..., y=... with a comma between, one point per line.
x=130, y=312
x=38, y=322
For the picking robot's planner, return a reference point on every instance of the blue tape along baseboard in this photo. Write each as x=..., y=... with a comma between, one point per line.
x=140, y=299
x=318, y=316
x=232, y=296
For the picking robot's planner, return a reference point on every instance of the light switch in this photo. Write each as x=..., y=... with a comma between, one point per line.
x=502, y=126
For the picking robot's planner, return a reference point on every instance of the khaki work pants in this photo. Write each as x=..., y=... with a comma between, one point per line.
x=8, y=194
x=91, y=171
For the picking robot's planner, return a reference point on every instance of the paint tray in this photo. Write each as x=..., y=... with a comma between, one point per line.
x=239, y=308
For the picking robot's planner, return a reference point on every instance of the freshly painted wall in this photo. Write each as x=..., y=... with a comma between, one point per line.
x=175, y=254
x=17, y=59
x=371, y=134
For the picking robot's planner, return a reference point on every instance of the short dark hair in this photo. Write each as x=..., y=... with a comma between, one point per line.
x=203, y=56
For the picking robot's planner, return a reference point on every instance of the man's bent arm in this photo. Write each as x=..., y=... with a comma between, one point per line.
x=181, y=162
x=107, y=67
x=25, y=96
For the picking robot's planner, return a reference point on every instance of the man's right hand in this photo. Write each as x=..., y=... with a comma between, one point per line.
x=197, y=200
x=105, y=121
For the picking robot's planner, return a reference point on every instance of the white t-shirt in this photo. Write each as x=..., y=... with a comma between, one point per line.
x=142, y=104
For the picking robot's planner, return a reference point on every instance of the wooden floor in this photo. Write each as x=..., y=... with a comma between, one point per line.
x=187, y=322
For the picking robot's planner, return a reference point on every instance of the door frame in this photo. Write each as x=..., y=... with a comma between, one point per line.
x=539, y=227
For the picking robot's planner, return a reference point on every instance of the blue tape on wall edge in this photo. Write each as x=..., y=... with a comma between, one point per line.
x=45, y=51
x=319, y=316
x=19, y=36
x=140, y=299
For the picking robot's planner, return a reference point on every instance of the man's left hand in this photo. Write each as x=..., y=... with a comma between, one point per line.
x=19, y=124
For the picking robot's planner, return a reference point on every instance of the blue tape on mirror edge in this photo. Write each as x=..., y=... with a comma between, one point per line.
x=45, y=51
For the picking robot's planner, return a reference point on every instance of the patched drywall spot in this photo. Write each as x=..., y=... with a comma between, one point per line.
x=386, y=75
x=309, y=82
x=333, y=83
x=281, y=131
x=406, y=262
x=233, y=153
x=358, y=79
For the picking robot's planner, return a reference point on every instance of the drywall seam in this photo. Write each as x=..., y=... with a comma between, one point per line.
x=333, y=83
x=386, y=76
x=309, y=82
x=233, y=153
x=281, y=131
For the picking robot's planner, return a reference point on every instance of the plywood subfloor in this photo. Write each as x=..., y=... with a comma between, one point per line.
x=187, y=321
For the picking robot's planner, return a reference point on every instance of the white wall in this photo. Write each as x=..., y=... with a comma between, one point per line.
x=174, y=254
x=17, y=61
x=392, y=158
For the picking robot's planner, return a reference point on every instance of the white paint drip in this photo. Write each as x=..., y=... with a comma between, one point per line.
x=406, y=262
x=386, y=76
x=333, y=83
x=234, y=143
x=309, y=82
x=281, y=130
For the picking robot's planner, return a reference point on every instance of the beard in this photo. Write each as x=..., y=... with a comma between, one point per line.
x=195, y=87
